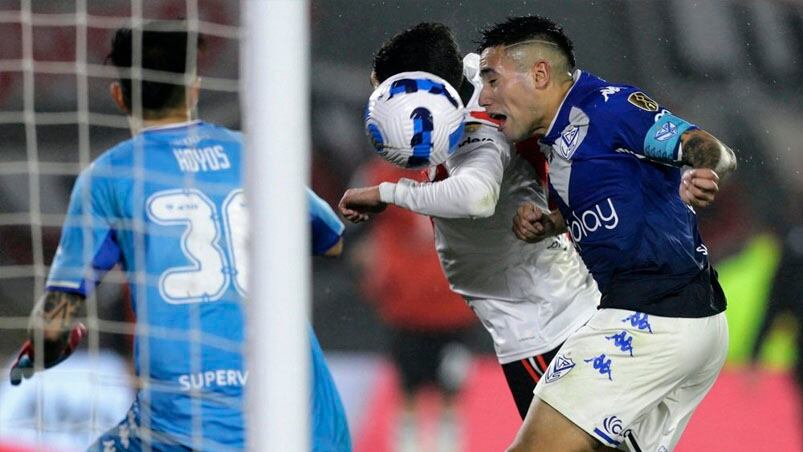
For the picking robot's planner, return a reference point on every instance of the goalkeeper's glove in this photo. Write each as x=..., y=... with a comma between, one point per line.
x=56, y=351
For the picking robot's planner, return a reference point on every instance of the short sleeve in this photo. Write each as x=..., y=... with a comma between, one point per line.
x=88, y=247
x=642, y=126
x=326, y=226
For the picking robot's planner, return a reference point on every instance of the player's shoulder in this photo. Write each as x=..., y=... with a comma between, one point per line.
x=113, y=159
x=598, y=97
x=481, y=131
x=225, y=133
x=320, y=209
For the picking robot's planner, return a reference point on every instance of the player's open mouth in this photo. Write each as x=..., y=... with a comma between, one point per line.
x=498, y=117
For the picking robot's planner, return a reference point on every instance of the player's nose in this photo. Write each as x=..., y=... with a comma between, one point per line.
x=486, y=97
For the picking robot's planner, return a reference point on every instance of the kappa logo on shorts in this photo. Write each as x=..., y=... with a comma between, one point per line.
x=622, y=341
x=560, y=367
x=639, y=320
x=601, y=364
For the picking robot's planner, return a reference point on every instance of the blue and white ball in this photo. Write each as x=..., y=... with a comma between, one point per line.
x=415, y=119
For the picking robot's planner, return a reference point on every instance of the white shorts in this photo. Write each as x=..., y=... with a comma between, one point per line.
x=633, y=380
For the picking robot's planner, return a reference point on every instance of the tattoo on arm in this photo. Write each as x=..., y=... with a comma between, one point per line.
x=702, y=150
x=55, y=314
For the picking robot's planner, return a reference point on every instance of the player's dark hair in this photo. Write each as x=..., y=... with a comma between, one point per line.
x=524, y=28
x=428, y=47
x=164, y=48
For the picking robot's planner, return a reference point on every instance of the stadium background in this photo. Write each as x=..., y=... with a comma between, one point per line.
x=733, y=67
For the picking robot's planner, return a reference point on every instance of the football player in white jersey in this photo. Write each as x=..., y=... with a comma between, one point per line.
x=530, y=297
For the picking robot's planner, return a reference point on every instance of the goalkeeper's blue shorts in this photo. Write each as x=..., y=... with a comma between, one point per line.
x=330, y=431
x=130, y=436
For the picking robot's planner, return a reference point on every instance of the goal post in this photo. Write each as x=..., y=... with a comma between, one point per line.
x=275, y=106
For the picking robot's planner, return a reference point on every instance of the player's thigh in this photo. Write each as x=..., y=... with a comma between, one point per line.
x=522, y=375
x=546, y=430
x=416, y=355
x=661, y=428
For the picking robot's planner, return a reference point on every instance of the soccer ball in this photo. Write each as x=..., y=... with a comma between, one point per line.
x=415, y=119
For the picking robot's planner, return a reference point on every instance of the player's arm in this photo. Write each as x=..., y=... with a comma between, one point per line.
x=470, y=191
x=648, y=130
x=327, y=229
x=700, y=149
x=56, y=319
x=85, y=253
x=710, y=160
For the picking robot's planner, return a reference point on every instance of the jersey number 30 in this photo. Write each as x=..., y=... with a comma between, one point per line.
x=212, y=267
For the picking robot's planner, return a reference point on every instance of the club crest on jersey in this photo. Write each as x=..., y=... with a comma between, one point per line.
x=643, y=102
x=666, y=132
x=560, y=367
x=569, y=136
x=573, y=134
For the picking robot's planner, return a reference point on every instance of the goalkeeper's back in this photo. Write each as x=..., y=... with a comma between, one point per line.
x=168, y=204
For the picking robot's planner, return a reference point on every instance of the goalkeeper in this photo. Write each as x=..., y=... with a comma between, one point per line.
x=168, y=205
x=530, y=297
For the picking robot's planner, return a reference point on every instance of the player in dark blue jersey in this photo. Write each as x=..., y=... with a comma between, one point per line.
x=632, y=376
x=168, y=206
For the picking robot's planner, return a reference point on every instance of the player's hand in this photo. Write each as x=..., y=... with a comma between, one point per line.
x=358, y=203
x=699, y=187
x=531, y=224
x=56, y=351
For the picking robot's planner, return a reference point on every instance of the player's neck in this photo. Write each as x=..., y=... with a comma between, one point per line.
x=138, y=124
x=554, y=104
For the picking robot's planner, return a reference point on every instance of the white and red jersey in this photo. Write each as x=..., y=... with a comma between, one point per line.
x=530, y=297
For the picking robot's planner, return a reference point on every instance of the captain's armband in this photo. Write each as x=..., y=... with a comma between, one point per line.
x=662, y=141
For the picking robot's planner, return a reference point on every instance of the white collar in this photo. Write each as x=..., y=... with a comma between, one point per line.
x=174, y=125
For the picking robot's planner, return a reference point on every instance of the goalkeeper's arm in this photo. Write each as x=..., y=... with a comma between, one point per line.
x=56, y=320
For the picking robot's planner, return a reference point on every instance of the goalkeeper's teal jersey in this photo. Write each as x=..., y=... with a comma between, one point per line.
x=168, y=206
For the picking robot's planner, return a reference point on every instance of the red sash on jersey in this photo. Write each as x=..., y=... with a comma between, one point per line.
x=530, y=151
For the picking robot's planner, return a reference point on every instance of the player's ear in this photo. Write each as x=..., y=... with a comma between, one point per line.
x=541, y=73
x=194, y=93
x=374, y=80
x=116, y=91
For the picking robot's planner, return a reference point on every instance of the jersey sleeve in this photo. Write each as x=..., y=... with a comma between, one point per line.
x=471, y=189
x=326, y=226
x=88, y=247
x=644, y=127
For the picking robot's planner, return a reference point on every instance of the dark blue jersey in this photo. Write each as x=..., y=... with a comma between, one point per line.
x=614, y=173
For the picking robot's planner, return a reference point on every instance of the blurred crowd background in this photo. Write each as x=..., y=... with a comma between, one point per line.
x=733, y=67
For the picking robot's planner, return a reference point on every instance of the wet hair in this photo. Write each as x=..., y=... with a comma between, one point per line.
x=515, y=30
x=428, y=47
x=164, y=48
